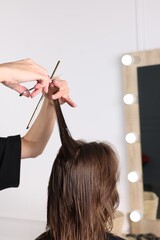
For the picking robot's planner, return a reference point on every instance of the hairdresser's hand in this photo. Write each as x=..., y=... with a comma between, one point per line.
x=13, y=74
x=58, y=89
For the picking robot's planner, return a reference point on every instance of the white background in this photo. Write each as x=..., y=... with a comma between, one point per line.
x=89, y=37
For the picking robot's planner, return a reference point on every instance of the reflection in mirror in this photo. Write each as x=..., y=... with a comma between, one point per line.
x=141, y=79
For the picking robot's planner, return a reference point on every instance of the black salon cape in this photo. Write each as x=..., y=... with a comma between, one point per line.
x=10, y=155
x=109, y=236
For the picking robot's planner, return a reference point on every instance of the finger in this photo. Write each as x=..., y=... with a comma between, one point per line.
x=60, y=83
x=51, y=85
x=70, y=102
x=38, y=85
x=25, y=94
x=22, y=90
x=44, y=85
x=35, y=92
x=45, y=89
x=60, y=93
x=62, y=98
x=67, y=100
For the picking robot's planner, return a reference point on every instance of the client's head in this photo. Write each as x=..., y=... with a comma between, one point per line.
x=82, y=193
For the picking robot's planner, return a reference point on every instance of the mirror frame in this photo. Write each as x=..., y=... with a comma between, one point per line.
x=132, y=124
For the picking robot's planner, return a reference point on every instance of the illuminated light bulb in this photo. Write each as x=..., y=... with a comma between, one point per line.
x=129, y=99
x=131, y=138
x=133, y=176
x=135, y=216
x=127, y=60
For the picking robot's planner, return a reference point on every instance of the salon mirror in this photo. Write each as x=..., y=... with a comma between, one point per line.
x=141, y=77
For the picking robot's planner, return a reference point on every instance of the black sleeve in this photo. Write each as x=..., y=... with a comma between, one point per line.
x=10, y=155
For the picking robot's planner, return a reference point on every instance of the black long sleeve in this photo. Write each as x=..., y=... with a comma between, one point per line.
x=10, y=155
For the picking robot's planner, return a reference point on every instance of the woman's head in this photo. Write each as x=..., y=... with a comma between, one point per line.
x=82, y=192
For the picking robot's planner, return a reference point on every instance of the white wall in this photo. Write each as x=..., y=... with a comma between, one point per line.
x=89, y=37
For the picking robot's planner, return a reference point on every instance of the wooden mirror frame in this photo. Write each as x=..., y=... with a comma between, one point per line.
x=132, y=125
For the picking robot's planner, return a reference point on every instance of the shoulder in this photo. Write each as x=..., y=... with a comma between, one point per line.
x=113, y=237
x=44, y=236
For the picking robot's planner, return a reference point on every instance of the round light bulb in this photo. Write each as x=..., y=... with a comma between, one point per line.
x=127, y=60
x=129, y=99
x=135, y=216
x=133, y=176
x=131, y=138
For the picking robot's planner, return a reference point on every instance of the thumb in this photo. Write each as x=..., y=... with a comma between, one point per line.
x=20, y=89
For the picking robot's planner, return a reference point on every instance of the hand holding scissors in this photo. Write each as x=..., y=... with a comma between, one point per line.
x=13, y=74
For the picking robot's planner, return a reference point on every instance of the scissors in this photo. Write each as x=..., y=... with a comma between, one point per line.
x=27, y=90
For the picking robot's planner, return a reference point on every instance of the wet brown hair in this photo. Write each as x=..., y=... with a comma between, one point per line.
x=82, y=193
